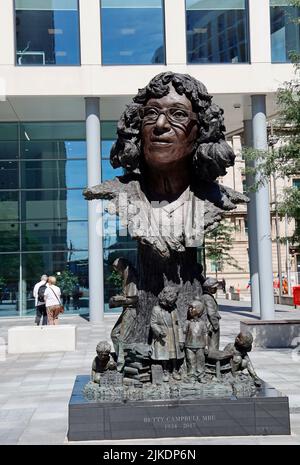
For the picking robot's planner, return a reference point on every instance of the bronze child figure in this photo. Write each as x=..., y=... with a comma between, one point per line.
x=102, y=362
x=167, y=334
x=196, y=340
x=210, y=286
x=125, y=325
x=240, y=360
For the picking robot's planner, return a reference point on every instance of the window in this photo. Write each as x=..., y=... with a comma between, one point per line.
x=132, y=32
x=116, y=241
x=285, y=30
x=217, y=31
x=43, y=215
x=47, y=32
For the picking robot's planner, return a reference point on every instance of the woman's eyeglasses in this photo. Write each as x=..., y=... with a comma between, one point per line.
x=173, y=114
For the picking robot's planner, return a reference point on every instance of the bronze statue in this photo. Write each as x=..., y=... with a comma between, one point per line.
x=167, y=334
x=102, y=362
x=196, y=340
x=210, y=287
x=125, y=324
x=241, y=360
x=172, y=147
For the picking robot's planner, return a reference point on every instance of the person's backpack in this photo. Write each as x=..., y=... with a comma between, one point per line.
x=41, y=293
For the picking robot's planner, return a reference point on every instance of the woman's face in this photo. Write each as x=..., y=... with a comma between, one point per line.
x=168, y=142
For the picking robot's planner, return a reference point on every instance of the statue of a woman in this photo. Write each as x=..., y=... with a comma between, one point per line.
x=171, y=145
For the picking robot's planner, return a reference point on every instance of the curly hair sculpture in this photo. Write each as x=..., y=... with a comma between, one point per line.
x=211, y=154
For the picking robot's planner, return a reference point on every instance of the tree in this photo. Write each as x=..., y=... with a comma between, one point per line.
x=67, y=281
x=218, y=244
x=116, y=280
x=283, y=160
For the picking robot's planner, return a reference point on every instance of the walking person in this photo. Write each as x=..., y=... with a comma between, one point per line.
x=38, y=294
x=52, y=300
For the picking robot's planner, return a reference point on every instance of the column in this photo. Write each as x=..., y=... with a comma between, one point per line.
x=264, y=244
x=96, y=288
x=252, y=230
x=259, y=31
x=7, y=33
x=90, y=32
x=175, y=32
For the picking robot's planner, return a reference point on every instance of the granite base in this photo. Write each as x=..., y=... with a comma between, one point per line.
x=265, y=413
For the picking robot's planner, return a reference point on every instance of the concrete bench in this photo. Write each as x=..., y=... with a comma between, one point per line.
x=33, y=339
x=273, y=333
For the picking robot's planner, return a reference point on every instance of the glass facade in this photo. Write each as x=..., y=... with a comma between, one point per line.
x=132, y=32
x=116, y=243
x=43, y=215
x=47, y=32
x=285, y=30
x=217, y=31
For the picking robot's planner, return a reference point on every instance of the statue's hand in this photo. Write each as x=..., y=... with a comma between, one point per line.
x=118, y=297
x=116, y=301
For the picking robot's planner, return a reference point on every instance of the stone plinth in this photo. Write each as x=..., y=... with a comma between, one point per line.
x=31, y=339
x=266, y=412
x=272, y=333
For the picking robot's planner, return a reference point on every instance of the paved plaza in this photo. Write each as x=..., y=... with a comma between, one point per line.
x=35, y=388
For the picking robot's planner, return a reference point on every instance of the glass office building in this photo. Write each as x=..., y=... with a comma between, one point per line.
x=56, y=54
x=43, y=215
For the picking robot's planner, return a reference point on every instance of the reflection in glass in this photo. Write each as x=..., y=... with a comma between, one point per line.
x=107, y=171
x=8, y=131
x=9, y=175
x=9, y=284
x=47, y=32
x=285, y=30
x=56, y=235
x=217, y=31
x=52, y=131
x=112, y=284
x=53, y=174
x=53, y=149
x=49, y=204
x=132, y=32
x=9, y=237
x=9, y=150
x=116, y=243
x=9, y=202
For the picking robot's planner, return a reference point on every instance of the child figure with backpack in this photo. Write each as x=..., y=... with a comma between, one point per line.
x=40, y=306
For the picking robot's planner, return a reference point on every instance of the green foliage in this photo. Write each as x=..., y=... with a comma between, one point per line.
x=66, y=281
x=218, y=244
x=2, y=282
x=290, y=206
x=116, y=280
